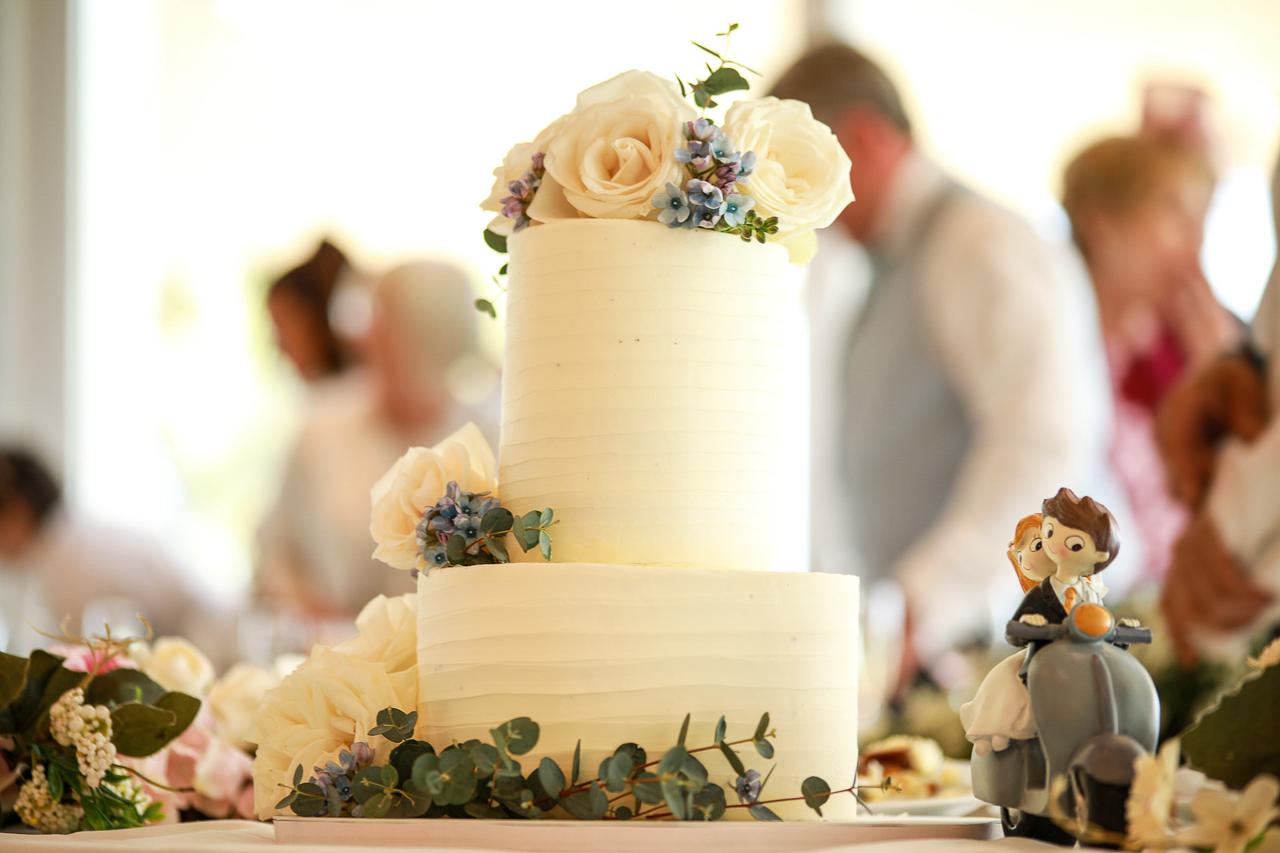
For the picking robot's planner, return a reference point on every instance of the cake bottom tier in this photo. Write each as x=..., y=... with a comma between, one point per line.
x=610, y=654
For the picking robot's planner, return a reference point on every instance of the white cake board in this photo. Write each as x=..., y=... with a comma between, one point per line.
x=568, y=836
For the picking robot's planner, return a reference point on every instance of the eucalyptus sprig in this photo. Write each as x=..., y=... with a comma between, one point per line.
x=722, y=79
x=486, y=780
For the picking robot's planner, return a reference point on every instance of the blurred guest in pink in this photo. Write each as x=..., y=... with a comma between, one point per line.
x=1137, y=206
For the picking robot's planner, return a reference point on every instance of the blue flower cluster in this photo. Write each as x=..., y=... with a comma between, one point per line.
x=457, y=512
x=709, y=197
x=334, y=778
x=516, y=205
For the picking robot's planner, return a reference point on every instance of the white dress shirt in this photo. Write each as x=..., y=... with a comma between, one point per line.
x=1020, y=339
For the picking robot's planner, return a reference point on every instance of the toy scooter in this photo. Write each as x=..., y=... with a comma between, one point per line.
x=1096, y=710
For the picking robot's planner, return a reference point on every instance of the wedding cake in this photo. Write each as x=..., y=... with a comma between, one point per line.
x=639, y=399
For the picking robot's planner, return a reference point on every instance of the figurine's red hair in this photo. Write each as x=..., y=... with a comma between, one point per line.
x=1025, y=526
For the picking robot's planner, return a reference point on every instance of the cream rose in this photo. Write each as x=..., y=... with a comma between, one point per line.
x=327, y=704
x=802, y=172
x=387, y=633
x=235, y=697
x=175, y=665
x=615, y=150
x=417, y=481
x=518, y=161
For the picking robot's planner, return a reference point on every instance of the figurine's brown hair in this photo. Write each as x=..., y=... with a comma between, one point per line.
x=1090, y=516
x=1025, y=526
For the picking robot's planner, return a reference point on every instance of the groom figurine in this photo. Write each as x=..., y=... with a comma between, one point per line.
x=1081, y=539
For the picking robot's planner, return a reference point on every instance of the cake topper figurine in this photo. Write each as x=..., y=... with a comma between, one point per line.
x=1057, y=726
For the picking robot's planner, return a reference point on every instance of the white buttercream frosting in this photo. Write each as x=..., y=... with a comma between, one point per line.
x=612, y=653
x=641, y=393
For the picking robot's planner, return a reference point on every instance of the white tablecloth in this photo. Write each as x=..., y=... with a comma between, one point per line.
x=235, y=836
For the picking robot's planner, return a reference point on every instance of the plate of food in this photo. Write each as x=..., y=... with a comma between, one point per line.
x=904, y=774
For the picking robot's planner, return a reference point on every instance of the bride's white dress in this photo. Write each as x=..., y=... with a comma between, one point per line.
x=1001, y=709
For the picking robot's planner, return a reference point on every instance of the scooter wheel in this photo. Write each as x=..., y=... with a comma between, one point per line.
x=1020, y=824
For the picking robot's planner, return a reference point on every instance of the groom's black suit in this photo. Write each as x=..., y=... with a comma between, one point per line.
x=1042, y=600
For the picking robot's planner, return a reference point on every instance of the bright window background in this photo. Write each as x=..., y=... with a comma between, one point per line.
x=1005, y=92
x=222, y=138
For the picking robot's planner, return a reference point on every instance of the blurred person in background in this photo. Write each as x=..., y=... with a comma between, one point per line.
x=1221, y=438
x=59, y=567
x=422, y=360
x=968, y=387
x=300, y=304
x=1137, y=206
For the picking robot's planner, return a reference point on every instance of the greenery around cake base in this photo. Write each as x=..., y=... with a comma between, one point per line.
x=486, y=780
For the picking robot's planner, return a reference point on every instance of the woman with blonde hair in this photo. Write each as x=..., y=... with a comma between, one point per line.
x=1137, y=207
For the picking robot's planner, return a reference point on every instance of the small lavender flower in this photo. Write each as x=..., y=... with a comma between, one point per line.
x=746, y=165
x=722, y=150
x=363, y=754
x=435, y=556
x=703, y=130
x=735, y=208
x=674, y=206
x=704, y=194
x=691, y=151
x=469, y=503
x=748, y=786
x=343, y=786
x=539, y=160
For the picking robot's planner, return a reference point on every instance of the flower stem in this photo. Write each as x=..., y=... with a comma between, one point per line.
x=152, y=782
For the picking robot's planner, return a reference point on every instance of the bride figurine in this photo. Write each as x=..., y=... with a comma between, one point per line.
x=1001, y=709
x=1057, y=553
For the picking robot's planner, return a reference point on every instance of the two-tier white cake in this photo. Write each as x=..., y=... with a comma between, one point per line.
x=643, y=373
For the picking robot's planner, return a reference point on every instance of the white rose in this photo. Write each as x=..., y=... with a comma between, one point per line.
x=234, y=700
x=416, y=482
x=387, y=634
x=327, y=704
x=615, y=151
x=519, y=160
x=175, y=665
x=802, y=172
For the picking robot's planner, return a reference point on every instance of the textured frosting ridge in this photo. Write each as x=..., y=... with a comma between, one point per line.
x=611, y=654
x=640, y=392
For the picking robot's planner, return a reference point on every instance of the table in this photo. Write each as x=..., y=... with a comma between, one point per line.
x=238, y=836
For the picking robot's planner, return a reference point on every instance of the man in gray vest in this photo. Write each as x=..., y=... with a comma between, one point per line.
x=968, y=387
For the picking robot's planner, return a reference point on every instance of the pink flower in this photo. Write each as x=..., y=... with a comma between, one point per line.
x=83, y=659
x=217, y=772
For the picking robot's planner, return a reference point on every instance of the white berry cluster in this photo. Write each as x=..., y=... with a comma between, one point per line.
x=130, y=789
x=37, y=809
x=88, y=729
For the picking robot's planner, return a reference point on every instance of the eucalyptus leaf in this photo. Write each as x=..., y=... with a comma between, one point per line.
x=544, y=545
x=708, y=803
x=426, y=763
x=546, y=516
x=732, y=757
x=483, y=811
x=377, y=806
x=646, y=788
x=498, y=549
x=684, y=730
x=485, y=306
x=622, y=813
x=311, y=800
x=551, y=777
x=576, y=770
x=497, y=520
x=406, y=754
x=620, y=768
x=762, y=727
x=765, y=748
x=495, y=241
x=721, y=728
x=672, y=760
x=457, y=772
x=373, y=781
x=409, y=801
x=455, y=548
x=520, y=735
x=816, y=792
x=760, y=812
x=484, y=757
x=673, y=793
x=591, y=804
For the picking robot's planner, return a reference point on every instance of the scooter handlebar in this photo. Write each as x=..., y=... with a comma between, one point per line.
x=1016, y=630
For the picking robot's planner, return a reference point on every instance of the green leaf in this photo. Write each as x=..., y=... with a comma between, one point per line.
x=409, y=801
x=816, y=792
x=724, y=80
x=485, y=306
x=674, y=794
x=484, y=811
x=760, y=812
x=708, y=803
x=297, y=776
x=495, y=241
x=1214, y=744
x=498, y=549
x=577, y=763
x=721, y=728
x=764, y=748
x=620, y=767
x=138, y=730
x=732, y=757
x=646, y=788
x=544, y=545
x=519, y=735
x=484, y=757
x=455, y=548
x=764, y=783
x=377, y=806
x=497, y=520
x=373, y=781
x=591, y=804
x=762, y=727
x=310, y=801
x=503, y=269
x=622, y=813
x=404, y=756
x=707, y=49
x=426, y=773
x=684, y=730
x=13, y=677
x=551, y=777
x=672, y=760
x=545, y=516
x=635, y=752
x=287, y=800
x=683, y=92
x=458, y=774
